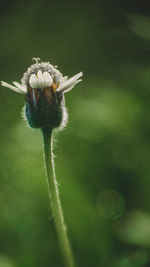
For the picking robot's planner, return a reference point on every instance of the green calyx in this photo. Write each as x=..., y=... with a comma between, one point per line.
x=44, y=109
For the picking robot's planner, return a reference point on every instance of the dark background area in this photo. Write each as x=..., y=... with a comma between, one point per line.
x=102, y=157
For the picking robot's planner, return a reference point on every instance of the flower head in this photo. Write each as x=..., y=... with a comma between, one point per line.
x=43, y=87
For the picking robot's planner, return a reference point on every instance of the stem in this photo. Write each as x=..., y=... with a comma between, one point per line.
x=55, y=200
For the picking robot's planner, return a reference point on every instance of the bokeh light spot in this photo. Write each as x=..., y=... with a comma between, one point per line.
x=111, y=204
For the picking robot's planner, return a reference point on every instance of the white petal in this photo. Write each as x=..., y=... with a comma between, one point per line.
x=63, y=79
x=47, y=79
x=14, y=88
x=20, y=86
x=40, y=78
x=39, y=74
x=33, y=81
x=69, y=84
x=44, y=79
x=69, y=87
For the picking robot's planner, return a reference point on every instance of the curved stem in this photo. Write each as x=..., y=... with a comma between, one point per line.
x=55, y=200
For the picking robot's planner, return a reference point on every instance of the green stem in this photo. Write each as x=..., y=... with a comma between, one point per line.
x=55, y=200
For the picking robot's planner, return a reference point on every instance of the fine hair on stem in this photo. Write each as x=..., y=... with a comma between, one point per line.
x=55, y=199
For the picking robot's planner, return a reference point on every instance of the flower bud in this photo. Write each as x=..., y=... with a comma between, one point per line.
x=43, y=87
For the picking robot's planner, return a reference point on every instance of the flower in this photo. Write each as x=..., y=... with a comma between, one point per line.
x=43, y=87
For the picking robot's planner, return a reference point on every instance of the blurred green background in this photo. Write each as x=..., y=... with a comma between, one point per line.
x=102, y=157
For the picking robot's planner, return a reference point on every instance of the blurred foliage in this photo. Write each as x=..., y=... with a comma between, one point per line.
x=102, y=157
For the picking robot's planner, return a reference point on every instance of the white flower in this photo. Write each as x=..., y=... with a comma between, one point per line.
x=43, y=75
x=43, y=87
